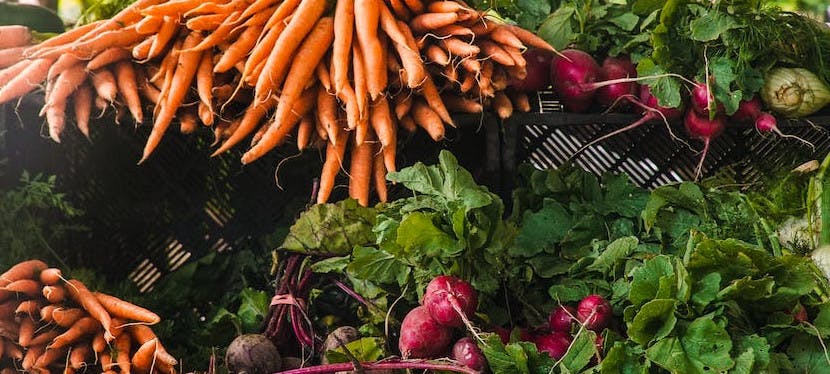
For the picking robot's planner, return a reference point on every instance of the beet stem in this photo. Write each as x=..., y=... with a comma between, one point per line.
x=387, y=365
x=356, y=296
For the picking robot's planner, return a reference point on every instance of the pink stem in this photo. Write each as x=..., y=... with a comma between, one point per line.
x=384, y=365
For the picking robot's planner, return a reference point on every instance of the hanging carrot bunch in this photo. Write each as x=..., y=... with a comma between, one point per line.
x=346, y=77
x=52, y=324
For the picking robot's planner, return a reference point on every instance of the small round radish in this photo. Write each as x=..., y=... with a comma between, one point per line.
x=554, y=344
x=704, y=129
x=503, y=333
x=748, y=111
x=562, y=318
x=421, y=336
x=599, y=342
x=538, y=71
x=594, y=312
x=571, y=71
x=467, y=353
x=702, y=101
x=651, y=102
x=799, y=313
x=450, y=300
x=613, y=95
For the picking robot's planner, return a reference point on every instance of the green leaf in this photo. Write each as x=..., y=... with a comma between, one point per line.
x=331, y=228
x=644, y=7
x=579, y=354
x=377, y=265
x=807, y=354
x=418, y=235
x=569, y=290
x=616, y=251
x=253, y=308
x=646, y=279
x=665, y=89
x=748, y=289
x=706, y=290
x=331, y=265
x=557, y=29
x=711, y=25
x=703, y=348
x=542, y=230
x=721, y=70
x=623, y=359
x=533, y=12
x=549, y=266
x=625, y=21
x=654, y=321
x=36, y=17
x=758, y=350
x=515, y=358
x=364, y=350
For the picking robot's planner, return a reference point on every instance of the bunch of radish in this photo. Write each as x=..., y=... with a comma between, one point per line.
x=52, y=324
x=582, y=84
x=593, y=313
x=427, y=330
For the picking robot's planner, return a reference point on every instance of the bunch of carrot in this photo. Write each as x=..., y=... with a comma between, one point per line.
x=51, y=324
x=343, y=79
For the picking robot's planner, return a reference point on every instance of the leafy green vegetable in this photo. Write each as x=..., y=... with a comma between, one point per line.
x=331, y=229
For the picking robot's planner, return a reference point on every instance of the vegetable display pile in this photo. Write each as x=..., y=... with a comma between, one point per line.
x=342, y=78
x=52, y=324
x=587, y=274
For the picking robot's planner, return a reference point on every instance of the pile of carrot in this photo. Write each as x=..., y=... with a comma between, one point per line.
x=52, y=324
x=344, y=78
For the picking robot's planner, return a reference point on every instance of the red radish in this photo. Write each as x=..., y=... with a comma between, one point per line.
x=450, y=300
x=562, y=318
x=599, y=342
x=702, y=128
x=554, y=344
x=703, y=101
x=503, y=333
x=538, y=72
x=594, y=312
x=571, y=73
x=799, y=313
x=421, y=336
x=466, y=352
x=612, y=95
x=748, y=111
x=766, y=123
x=652, y=111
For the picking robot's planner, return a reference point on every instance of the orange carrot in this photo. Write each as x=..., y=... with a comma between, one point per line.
x=451, y=30
x=495, y=52
x=171, y=7
x=360, y=84
x=224, y=31
x=49, y=356
x=323, y=76
x=11, y=350
x=381, y=121
x=188, y=121
x=410, y=58
x=125, y=37
x=281, y=14
x=29, y=269
x=516, y=54
x=327, y=114
x=129, y=15
x=78, y=355
x=389, y=154
x=458, y=47
x=44, y=337
x=128, y=88
x=27, y=287
x=11, y=56
x=348, y=96
x=99, y=344
x=105, y=359
x=63, y=62
x=56, y=119
x=179, y=84
x=46, y=312
x=204, y=82
x=520, y=101
x=332, y=165
x=238, y=49
x=430, y=93
x=426, y=22
x=123, y=309
x=502, y=105
x=360, y=171
x=26, y=331
x=67, y=317
x=309, y=55
x=303, y=21
x=14, y=36
x=261, y=52
x=82, y=327
x=11, y=72
x=499, y=78
x=258, y=7
x=104, y=83
x=207, y=22
x=65, y=84
x=402, y=105
x=426, y=118
x=504, y=35
x=367, y=19
x=29, y=307
x=416, y=6
x=122, y=353
x=400, y=9
x=149, y=25
x=168, y=30
x=25, y=82
x=379, y=177
x=461, y=104
x=107, y=57
x=276, y=133
x=529, y=38
x=81, y=295
x=50, y=276
x=31, y=356
x=62, y=39
x=253, y=114
x=143, y=334
x=82, y=101
x=7, y=309
x=143, y=357
x=304, y=130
